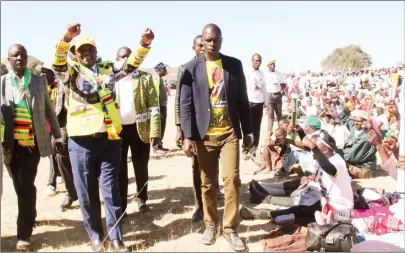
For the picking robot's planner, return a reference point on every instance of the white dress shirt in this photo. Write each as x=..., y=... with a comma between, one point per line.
x=125, y=99
x=256, y=87
x=274, y=81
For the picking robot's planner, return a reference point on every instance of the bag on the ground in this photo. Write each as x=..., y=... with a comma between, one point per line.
x=338, y=237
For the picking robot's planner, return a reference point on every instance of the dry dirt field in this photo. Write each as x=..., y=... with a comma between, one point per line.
x=166, y=227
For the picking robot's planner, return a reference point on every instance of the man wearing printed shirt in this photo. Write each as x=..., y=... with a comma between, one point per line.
x=257, y=94
x=140, y=118
x=214, y=111
x=94, y=125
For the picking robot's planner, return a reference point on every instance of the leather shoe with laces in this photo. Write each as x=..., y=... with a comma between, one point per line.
x=234, y=241
x=96, y=246
x=209, y=236
x=118, y=246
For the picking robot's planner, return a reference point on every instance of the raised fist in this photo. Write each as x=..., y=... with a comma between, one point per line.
x=147, y=36
x=72, y=31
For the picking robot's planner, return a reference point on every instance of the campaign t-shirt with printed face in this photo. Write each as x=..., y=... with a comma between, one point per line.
x=219, y=120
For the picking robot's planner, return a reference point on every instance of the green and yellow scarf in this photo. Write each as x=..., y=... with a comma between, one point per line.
x=112, y=118
x=23, y=131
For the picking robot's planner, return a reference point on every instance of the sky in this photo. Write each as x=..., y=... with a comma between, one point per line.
x=298, y=35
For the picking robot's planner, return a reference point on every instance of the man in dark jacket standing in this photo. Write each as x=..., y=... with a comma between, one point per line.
x=213, y=105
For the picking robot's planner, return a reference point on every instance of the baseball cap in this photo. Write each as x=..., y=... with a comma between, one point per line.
x=84, y=41
x=161, y=65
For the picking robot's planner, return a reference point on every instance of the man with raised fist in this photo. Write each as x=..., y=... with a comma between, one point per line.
x=94, y=125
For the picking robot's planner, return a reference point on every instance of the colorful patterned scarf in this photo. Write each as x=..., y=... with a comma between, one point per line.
x=23, y=131
x=112, y=118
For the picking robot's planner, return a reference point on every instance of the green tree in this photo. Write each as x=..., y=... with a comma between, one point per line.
x=351, y=57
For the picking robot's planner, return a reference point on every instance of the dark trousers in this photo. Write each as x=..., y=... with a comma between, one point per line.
x=64, y=166
x=303, y=214
x=96, y=164
x=275, y=107
x=163, y=119
x=53, y=170
x=23, y=170
x=140, y=159
x=281, y=189
x=257, y=115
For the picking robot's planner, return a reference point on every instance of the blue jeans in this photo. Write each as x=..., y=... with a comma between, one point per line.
x=304, y=158
x=96, y=163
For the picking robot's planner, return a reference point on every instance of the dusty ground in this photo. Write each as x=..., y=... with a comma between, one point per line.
x=167, y=226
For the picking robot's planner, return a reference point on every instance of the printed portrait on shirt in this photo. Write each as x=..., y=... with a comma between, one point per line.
x=84, y=90
x=219, y=120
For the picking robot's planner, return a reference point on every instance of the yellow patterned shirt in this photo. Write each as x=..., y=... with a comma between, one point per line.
x=219, y=120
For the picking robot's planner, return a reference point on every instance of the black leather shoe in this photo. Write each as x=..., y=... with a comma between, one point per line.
x=143, y=208
x=67, y=202
x=235, y=242
x=197, y=215
x=118, y=246
x=96, y=246
x=209, y=236
x=256, y=193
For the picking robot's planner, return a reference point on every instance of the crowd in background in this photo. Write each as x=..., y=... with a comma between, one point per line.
x=85, y=114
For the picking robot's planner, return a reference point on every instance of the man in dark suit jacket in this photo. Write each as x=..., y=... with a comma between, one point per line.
x=213, y=107
x=22, y=151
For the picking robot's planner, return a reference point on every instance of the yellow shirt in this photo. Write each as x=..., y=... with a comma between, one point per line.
x=219, y=120
x=395, y=79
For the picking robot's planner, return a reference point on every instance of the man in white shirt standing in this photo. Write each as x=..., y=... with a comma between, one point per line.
x=275, y=85
x=257, y=94
x=140, y=118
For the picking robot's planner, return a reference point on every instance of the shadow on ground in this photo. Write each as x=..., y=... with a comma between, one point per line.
x=169, y=218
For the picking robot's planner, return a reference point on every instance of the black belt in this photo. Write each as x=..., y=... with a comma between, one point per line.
x=276, y=93
x=93, y=136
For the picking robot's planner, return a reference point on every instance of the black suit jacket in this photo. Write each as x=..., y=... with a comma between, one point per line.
x=195, y=106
